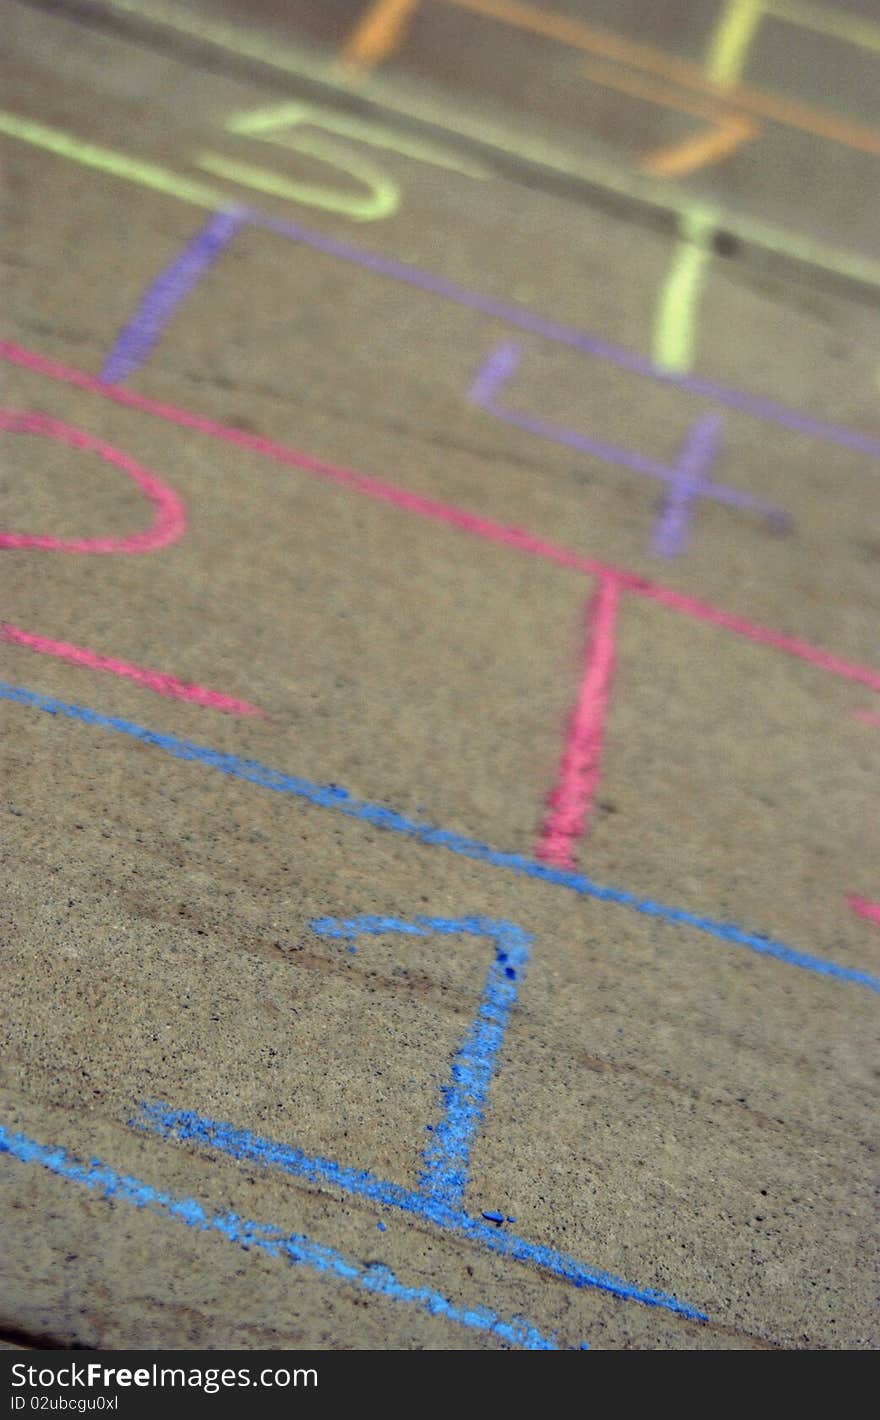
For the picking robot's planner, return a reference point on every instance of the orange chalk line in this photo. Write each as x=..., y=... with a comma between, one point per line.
x=378, y=33
x=702, y=151
x=678, y=160
x=646, y=58
x=382, y=28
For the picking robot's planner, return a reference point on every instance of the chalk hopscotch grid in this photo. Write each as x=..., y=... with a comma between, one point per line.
x=444, y=1178
x=570, y=802
x=445, y=1174
x=686, y=481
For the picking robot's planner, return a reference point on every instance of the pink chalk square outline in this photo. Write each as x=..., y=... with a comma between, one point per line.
x=571, y=799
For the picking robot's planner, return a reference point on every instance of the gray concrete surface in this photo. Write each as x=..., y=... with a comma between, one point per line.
x=674, y=1104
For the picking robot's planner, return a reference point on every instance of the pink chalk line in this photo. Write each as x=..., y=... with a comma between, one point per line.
x=571, y=801
x=168, y=526
x=867, y=717
x=158, y=681
x=864, y=908
x=169, y=523
x=446, y=513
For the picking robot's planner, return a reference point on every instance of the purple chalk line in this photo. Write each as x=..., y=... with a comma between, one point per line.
x=160, y=300
x=686, y=480
x=690, y=480
x=500, y=365
x=517, y=315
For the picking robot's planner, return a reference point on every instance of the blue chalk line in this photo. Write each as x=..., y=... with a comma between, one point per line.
x=188, y=1127
x=438, y=1198
x=294, y=1248
x=333, y=797
x=447, y=1159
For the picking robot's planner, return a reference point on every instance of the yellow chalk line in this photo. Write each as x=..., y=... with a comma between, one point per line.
x=108, y=160
x=730, y=44
x=383, y=201
x=259, y=122
x=677, y=314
